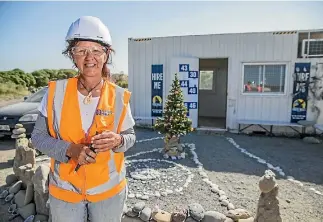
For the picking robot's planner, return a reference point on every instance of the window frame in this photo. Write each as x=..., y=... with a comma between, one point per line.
x=275, y=94
x=213, y=81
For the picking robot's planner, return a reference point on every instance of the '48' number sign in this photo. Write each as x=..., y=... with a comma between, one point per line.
x=192, y=90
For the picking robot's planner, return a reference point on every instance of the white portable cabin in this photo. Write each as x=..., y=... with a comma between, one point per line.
x=230, y=79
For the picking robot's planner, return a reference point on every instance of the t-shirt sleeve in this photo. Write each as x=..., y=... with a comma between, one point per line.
x=43, y=105
x=128, y=122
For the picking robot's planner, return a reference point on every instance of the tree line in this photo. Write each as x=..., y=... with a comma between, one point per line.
x=37, y=79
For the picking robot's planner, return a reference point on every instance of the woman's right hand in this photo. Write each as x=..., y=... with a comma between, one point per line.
x=81, y=153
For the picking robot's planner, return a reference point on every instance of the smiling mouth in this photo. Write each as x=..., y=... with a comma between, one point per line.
x=89, y=65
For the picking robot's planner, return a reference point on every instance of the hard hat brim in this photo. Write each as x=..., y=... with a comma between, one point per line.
x=90, y=40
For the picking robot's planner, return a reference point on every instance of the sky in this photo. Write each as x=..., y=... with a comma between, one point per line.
x=32, y=33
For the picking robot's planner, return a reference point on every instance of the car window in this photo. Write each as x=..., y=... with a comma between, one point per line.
x=37, y=97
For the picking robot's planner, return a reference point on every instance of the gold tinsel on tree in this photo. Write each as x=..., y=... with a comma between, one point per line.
x=174, y=122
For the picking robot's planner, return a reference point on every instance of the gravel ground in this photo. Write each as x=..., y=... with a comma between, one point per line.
x=173, y=177
x=236, y=173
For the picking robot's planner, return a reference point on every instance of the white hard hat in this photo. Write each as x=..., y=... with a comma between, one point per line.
x=89, y=28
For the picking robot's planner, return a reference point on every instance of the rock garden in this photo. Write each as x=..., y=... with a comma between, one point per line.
x=159, y=188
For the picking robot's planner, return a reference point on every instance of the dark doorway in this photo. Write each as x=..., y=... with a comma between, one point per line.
x=213, y=92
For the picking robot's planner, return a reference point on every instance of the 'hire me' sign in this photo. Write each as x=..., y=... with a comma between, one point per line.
x=300, y=91
x=157, y=77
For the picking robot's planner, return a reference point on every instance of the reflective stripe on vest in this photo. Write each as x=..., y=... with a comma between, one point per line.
x=116, y=166
x=56, y=181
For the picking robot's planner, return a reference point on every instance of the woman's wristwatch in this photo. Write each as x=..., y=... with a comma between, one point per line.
x=121, y=143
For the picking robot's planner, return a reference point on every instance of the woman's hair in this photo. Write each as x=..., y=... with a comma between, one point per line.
x=105, y=70
x=106, y=74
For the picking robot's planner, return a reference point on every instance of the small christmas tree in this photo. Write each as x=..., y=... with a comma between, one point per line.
x=174, y=122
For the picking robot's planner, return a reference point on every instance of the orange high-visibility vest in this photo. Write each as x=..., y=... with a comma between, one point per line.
x=106, y=177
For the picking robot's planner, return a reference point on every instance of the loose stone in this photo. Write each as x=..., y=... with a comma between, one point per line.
x=162, y=216
x=20, y=198
x=19, y=131
x=267, y=182
x=231, y=206
x=169, y=191
x=179, y=216
x=4, y=194
x=131, y=213
x=139, y=207
x=28, y=210
x=138, y=195
x=19, y=125
x=131, y=195
x=215, y=190
x=15, y=187
x=203, y=174
x=9, y=197
x=225, y=202
x=10, y=179
x=145, y=214
x=238, y=214
x=144, y=197
x=221, y=193
x=223, y=197
x=213, y=216
x=196, y=211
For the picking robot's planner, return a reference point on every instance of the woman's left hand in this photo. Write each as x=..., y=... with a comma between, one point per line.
x=106, y=141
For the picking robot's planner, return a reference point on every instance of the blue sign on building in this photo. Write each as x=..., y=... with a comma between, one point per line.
x=157, y=77
x=193, y=74
x=192, y=90
x=300, y=91
x=184, y=83
x=184, y=67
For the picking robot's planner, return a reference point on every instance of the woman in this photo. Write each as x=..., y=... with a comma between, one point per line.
x=85, y=125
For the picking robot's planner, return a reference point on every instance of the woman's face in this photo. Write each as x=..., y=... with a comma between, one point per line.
x=89, y=58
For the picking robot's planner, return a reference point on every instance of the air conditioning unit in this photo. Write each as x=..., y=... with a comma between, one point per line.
x=312, y=48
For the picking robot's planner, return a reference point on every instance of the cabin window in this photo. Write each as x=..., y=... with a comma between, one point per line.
x=206, y=80
x=264, y=78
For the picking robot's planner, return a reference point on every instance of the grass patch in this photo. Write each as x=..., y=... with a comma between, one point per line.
x=10, y=91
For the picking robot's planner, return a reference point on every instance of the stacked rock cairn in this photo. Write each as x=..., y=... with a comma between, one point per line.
x=268, y=204
x=173, y=149
x=26, y=190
